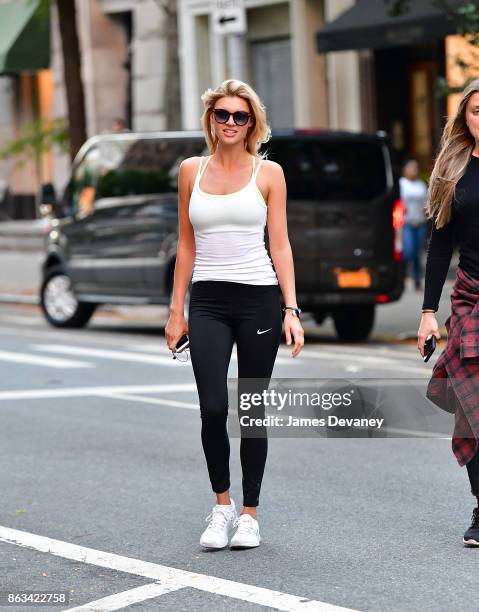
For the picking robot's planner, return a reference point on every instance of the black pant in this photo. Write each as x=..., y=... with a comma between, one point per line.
x=473, y=473
x=221, y=313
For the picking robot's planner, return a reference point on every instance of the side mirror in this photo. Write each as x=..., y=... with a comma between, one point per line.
x=48, y=200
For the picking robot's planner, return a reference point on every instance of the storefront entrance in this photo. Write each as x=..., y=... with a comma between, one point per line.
x=407, y=101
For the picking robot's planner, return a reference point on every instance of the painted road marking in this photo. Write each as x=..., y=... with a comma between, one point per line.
x=22, y=394
x=380, y=363
x=326, y=350
x=118, y=355
x=148, y=348
x=151, y=348
x=112, y=339
x=353, y=349
x=374, y=356
x=123, y=355
x=127, y=598
x=167, y=575
x=344, y=350
x=46, y=362
x=151, y=400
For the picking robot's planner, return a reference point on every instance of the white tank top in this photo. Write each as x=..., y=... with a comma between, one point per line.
x=229, y=234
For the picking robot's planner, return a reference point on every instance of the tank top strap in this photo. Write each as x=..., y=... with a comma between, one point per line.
x=204, y=167
x=256, y=170
x=201, y=169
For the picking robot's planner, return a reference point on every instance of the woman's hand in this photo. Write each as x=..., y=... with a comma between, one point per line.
x=293, y=329
x=176, y=326
x=427, y=327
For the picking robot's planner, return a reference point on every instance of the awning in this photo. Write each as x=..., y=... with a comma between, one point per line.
x=24, y=35
x=367, y=25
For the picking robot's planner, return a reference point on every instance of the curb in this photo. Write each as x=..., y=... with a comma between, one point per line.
x=24, y=235
x=15, y=298
x=13, y=243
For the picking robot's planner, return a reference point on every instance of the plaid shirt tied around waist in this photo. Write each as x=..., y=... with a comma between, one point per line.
x=454, y=384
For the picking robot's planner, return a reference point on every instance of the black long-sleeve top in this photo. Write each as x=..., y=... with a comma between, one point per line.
x=462, y=231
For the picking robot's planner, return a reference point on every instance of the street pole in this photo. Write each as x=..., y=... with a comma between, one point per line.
x=237, y=56
x=229, y=19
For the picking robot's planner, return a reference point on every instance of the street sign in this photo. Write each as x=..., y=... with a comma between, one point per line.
x=229, y=17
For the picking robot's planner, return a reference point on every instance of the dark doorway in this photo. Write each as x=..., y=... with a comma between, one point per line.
x=408, y=107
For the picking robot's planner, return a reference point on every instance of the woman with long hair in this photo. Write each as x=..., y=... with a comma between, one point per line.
x=453, y=198
x=224, y=204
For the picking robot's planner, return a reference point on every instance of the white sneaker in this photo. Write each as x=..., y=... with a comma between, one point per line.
x=247, y=532
x=221, y=520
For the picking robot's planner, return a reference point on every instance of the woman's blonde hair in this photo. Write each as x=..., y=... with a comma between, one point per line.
x=457, y=144
x=258, y=133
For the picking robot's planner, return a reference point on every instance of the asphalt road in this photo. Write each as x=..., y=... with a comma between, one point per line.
x=105, y=489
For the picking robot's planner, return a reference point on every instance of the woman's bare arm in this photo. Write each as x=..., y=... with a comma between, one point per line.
x=281, y=253
x=279, y=245
x=185, y=256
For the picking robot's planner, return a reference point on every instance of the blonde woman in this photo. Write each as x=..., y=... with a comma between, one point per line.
x=453, y=204
x=225, y=201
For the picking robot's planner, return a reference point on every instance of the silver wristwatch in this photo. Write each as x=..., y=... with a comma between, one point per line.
x=297, y=311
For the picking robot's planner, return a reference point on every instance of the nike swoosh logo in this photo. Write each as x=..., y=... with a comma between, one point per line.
x=263, y=331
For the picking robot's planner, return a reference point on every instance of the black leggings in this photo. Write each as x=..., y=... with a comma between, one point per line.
x=221, y=313
x=473, y=473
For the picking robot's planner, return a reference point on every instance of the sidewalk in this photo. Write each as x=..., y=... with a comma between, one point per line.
x=23, y=235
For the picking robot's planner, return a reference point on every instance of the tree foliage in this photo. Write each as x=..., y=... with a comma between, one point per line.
x=465, y=16
x=36, y=138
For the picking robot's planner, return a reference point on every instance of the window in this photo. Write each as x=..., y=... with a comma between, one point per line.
x=146, y=167
x=330, y=171
x=84, y=183
x=350, y=171
x=296, y=157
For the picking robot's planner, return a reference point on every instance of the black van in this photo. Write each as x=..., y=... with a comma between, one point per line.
x=113, y=235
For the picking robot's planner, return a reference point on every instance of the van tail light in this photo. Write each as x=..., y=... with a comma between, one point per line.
x=382, y=298
x=399, y=215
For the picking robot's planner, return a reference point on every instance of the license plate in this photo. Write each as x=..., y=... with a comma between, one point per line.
x=353, y=278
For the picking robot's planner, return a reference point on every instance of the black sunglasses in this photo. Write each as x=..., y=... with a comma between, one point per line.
x=239, y=117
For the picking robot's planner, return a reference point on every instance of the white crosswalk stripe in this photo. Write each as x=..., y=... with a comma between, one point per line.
x=116, y=355
x=122, y=355
x=24, y=394
x=151, y=400
x=127, y=598
x=167, y=575
x=46, y=362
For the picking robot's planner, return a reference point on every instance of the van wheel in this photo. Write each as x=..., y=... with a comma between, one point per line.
x=59, y=303
x=319, y=316
x=354, y=323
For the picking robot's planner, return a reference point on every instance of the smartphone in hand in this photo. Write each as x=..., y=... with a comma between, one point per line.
x=182, y=343
x=429, y=347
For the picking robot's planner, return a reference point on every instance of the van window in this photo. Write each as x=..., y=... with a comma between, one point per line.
x=330, y=171
x=84, y=182
x=350, y=171
x=144, y=166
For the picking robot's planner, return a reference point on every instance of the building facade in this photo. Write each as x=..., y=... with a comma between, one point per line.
x=275, y=54
x=336, y=64
x=129, y=70
x=400, y=60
